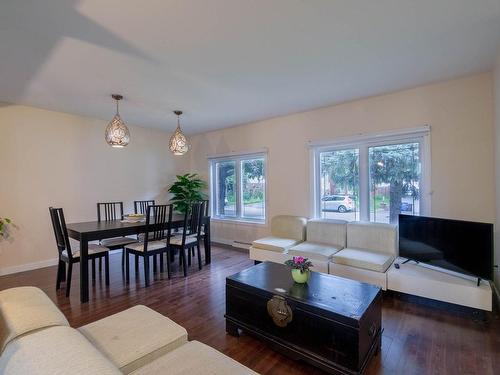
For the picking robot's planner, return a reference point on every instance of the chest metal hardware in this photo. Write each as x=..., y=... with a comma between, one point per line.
x=279, y=311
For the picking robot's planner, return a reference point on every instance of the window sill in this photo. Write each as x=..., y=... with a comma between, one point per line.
x=262, y=223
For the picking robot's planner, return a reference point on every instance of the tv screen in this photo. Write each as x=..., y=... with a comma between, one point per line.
x=461, y=246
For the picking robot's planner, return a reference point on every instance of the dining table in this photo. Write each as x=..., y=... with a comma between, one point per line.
x=98, y=230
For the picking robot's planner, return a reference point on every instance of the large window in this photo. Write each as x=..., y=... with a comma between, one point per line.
x=372, y=178
x=238, y=187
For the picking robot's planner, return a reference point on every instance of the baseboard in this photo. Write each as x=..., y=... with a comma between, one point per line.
x=223, y=241
x=242, y=245
x=28, y=266
x=37, y=265
x=234, y=245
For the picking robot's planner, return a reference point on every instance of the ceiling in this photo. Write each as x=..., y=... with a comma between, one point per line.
x=228, y=62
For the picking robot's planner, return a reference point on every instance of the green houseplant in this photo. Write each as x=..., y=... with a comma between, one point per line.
x=300, y=269
x=187, y=189
x=3, y=224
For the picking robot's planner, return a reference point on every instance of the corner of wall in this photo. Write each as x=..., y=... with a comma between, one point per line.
x=496, y=94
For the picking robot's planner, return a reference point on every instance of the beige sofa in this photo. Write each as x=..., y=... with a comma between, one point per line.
x=324, y=238
x=356, y=250
x=35, y=338
x=371, y=249
x=286, y=232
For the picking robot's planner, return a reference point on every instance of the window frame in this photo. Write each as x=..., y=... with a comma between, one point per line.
x=363, y=143
x=213, y=187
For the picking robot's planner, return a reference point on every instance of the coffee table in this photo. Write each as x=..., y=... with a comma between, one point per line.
x=331, y=322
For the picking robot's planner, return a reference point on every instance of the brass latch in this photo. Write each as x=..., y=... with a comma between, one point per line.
x=278, y=309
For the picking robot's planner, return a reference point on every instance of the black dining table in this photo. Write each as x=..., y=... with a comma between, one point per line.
x=99, y=230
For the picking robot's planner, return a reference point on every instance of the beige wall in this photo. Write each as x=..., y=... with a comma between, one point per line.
x=497, y=165
x=460, y=113
x=49, y=158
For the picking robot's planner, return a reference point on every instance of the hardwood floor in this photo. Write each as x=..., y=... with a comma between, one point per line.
x=416, y=339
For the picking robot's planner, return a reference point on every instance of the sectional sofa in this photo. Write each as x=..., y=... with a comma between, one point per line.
x=36, y=339
x=355, y=250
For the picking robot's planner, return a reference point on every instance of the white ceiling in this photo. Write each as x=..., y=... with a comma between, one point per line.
x=227, y=62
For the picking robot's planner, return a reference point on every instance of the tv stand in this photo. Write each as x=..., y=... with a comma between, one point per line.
x=431, y=282
x=409, y=260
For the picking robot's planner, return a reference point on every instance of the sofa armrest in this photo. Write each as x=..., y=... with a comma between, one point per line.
x=26, y=309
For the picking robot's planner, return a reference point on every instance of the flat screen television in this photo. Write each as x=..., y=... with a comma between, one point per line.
x=461, y=246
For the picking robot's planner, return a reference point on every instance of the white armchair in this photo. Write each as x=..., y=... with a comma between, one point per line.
x=286, y=232
x=324, y=239
x=371, y=248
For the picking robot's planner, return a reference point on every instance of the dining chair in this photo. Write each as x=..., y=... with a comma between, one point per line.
x=189, y=238
x=141, y=206
x=107, y=211
x=206, y=206
x=70, y=256
x=158, y=226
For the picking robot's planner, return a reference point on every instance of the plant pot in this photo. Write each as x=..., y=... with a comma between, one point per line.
x=299, y=277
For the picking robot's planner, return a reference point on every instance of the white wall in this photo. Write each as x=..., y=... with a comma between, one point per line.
x=56, y=159
x=497, y=165
x=460, y=113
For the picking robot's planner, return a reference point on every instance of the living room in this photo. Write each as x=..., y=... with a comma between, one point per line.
x=287, y=117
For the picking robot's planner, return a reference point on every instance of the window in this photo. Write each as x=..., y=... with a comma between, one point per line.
x=238, y=187
x=339, y=185
x=373, y=178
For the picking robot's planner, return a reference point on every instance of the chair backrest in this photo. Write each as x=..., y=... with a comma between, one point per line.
x=197, y=211
x=141, y=206
x=206, y=206
x=378, y=237
x=60, y=231
x=158, y=223
x=327, y=231
x=287, y=226
x=109, y=211
x=193, y=219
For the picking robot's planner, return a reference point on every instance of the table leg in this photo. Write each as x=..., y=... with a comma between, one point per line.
x=84, y=270
x=208, y=250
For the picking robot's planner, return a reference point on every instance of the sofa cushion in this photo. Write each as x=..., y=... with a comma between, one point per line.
x=134, y=337
x=277, y=244
x=25, y=309
x=54, y=351
x=379, y=237
x=194, y=358
x=287, y=226
x=313, y=250
x=367, y=260
x=327, y=231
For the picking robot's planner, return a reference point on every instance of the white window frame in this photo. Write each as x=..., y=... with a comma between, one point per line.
x=237, y=158
x=419, y=135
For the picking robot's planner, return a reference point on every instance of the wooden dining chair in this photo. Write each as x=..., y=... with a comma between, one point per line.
x=141, y=206
x=70, y=256
x=206, y=207
x=189, y=238
x=107, y=211
x=158, y=226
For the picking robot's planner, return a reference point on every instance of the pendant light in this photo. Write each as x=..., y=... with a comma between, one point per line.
x=178, y=142
x=117, y=134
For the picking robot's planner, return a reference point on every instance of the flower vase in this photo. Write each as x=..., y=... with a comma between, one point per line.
x=300, y=277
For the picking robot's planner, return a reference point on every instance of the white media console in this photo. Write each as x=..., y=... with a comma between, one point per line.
x=419, y=280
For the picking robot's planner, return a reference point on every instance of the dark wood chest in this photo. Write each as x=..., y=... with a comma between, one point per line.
x=330, y=322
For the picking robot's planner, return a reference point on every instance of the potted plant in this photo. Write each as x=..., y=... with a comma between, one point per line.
x=187, y=190
x=3, y=224
x=300, y=269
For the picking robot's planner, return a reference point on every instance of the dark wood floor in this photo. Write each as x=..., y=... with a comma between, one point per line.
x=416, y=339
